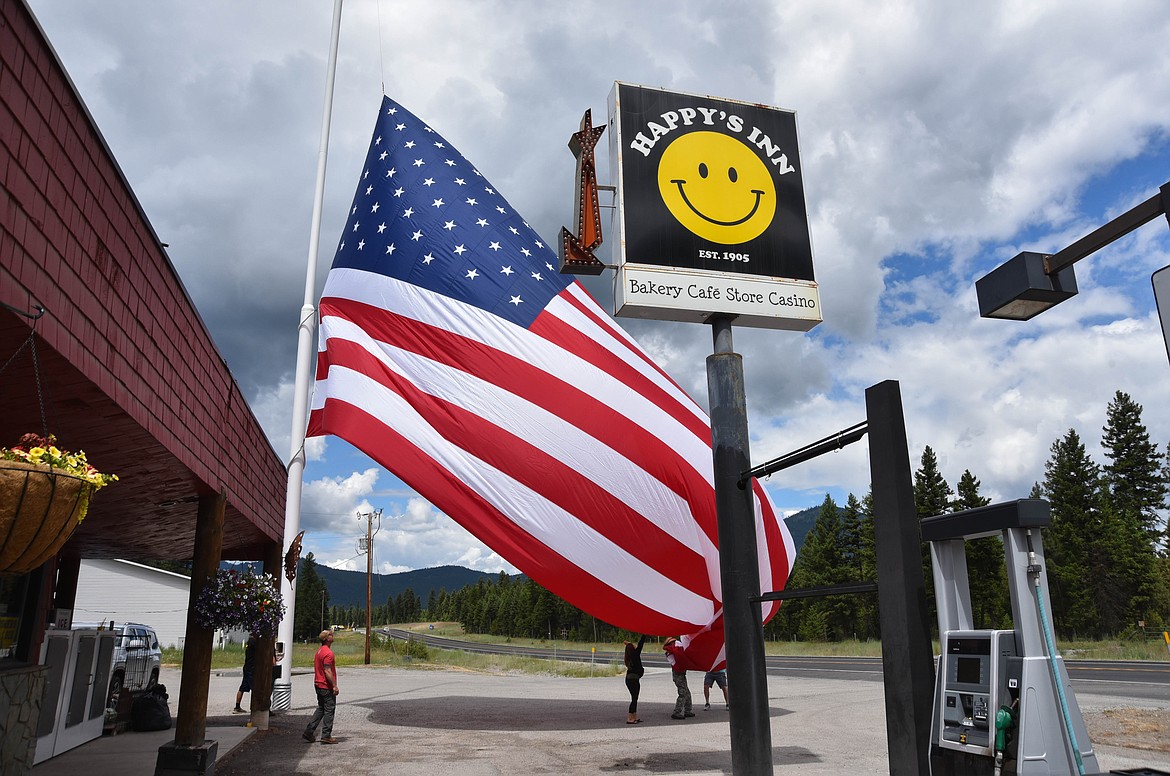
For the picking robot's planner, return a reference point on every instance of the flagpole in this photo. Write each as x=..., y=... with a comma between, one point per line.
x=282, y=689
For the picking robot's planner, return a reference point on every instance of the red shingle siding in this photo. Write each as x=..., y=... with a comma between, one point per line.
x=74, y=238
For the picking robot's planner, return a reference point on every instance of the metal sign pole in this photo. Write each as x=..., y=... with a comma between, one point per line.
x=751, y=732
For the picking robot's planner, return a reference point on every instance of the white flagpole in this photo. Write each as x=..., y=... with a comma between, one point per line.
x=282, y=690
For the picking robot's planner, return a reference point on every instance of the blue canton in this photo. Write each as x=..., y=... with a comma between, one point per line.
x=423, y=214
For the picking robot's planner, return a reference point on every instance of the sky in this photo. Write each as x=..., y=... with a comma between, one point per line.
x=937, y=140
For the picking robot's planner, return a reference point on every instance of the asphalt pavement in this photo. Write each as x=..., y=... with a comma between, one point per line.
x=407, y=721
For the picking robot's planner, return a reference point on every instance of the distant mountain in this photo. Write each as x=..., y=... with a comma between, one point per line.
x=800, y=523
x=348, y=588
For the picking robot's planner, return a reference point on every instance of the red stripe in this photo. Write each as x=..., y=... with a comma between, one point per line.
x=568, y=402
x=450, y=495
x=540, y=472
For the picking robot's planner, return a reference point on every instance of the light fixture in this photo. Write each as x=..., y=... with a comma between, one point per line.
x=1021, y=288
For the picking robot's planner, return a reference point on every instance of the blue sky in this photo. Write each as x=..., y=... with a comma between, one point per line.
x=938, y=139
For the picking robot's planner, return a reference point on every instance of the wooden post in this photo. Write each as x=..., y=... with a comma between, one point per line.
x=189, y=751
x=265, y=649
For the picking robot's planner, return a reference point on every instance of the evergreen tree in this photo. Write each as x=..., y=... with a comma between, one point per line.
x=312, y=600
x=1070, y=484
x=932, y=496
x=1135, y=484
x=986, y=573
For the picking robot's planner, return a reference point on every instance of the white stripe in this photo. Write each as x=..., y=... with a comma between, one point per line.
x=606, y=467
x=476, y=324
x=557, y=529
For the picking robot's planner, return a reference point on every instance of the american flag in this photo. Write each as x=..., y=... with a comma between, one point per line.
x=453, y=354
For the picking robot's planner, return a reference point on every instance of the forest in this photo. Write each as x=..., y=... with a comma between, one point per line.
x=1107, y=561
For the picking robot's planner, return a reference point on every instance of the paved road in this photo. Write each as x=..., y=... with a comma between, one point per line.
x=1142, y=680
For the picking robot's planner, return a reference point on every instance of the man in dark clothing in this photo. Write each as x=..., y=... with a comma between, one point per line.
x=249, y=671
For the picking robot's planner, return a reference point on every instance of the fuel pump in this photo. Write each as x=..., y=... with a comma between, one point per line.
x=1002, y=702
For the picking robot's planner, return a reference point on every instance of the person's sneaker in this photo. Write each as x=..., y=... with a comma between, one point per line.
x=329, y=740
x=677, y=716
x=237, y=710
x=689, y=714
x=308, y=736
x=706, y=707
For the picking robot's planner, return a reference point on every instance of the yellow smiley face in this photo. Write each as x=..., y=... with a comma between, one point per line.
x=716, y=187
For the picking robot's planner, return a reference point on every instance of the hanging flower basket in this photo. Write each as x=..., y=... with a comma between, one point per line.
x=235, y=600
x=44, y=495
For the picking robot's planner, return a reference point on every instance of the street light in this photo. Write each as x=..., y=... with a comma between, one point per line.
x=1030, y=283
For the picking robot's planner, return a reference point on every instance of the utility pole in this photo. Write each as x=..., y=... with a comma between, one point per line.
x=367, y=547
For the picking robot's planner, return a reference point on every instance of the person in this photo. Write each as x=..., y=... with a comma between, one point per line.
x=678, y=671
x=325, y=683
x=634, y=671
x=249, y=671
x=714, y=677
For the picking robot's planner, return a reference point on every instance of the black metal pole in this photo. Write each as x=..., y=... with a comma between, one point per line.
x=751, y=732
x=907, y=656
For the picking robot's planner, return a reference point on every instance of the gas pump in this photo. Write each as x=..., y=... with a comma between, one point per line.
x=1002, y=701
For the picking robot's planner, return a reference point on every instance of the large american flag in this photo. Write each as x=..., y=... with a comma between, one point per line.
x=454, y=354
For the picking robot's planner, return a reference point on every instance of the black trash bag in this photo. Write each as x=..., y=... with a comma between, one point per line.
x=150, y=710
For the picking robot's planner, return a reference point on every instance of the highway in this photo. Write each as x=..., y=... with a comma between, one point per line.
x=1120, y=678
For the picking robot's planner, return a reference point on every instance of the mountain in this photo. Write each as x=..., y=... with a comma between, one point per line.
x=800, y=523
x=348, y=588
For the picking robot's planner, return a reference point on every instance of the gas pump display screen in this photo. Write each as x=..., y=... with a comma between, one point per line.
x=968, y=670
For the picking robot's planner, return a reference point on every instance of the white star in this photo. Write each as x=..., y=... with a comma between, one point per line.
x=341, y=247
x=378, y=141
x=461, y=182
x=472, y=274
x=365, y=175
x=382, y=158
x=549, y=266
x=428, y=259
x=390, y=172
x=481, y=221
x=354, y=210
x=368, y=190
x=398, y=191
x=408, y=212
x=539, y=244
x=428, y=129
x=526, y=252
x=389, y=249
x=429, y=182
x=356, y=225
x=374, y=209
x=513, y=230
x=416, y=236
x=536, y=276
x=400, y=127
x=448, y=225
x=506, y=270
x=471, y=201
x=419, y=162
x=381, y=227
x=361, y=244
x=500, y=209
x=409, y=144
x=495, y=246
x=459, y=250
x=450, y=162
x=438, y=202
x=516, y=301
x=391, y=111
x=439, y=145
x=488, y=189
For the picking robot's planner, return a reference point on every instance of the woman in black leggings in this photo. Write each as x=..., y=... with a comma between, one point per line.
x=634, y=671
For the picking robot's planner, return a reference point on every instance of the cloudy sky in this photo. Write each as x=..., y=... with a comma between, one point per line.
x=938, y=139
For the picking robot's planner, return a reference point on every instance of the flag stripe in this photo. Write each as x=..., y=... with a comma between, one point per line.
x=563, y=534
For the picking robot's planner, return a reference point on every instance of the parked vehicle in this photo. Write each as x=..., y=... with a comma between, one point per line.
x=137, y=659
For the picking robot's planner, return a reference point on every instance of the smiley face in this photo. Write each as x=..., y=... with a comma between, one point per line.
x=716, y=187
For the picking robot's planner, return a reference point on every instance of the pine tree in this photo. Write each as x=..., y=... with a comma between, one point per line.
x=311, y=600
x=932, y=496
x=986, y=573
x=1070, y=484
x=1134, y=479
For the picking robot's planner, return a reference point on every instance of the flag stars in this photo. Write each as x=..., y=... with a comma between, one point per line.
x=471, y=201
x=382, y=158
x=361, y=244
x=526, y=252
x=515, y=301
x=428, y=259
x=398, y=191
x=381, y=227
x=390, y=249
x=416, y=236
x=448, y=225
x=500, y=209
x=472, y=273
x=409, y=144
x=439, y=145
x=460, y=250
x=438, y=202
x=400, y=127
x=408, y=212
x=506, y=270
x=539, y=244
x=429, y=182
x=374, y=209
x=481, y=221
x=460, y=182
x=369, y=190
x=419, y=162
x=378, y=141
x=449, y=162
x=495, y=246
x=356, y=224
x=390, y=173
x=537, y=276
x=391, y=111
x=514, y=230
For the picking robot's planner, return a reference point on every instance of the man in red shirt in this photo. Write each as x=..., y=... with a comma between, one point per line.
x=325, y=683
x=679, y=663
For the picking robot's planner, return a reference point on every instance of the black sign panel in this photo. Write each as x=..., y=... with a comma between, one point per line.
x=711, y=184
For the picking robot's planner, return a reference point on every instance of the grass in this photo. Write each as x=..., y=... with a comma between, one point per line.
x=349, y=647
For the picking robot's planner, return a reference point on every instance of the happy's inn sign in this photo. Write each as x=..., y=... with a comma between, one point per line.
x=711, y=213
